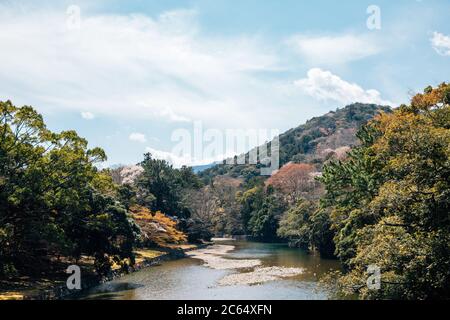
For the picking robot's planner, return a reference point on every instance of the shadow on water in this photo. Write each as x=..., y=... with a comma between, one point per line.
x=108, y=291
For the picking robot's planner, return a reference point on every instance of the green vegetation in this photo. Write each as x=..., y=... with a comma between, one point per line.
x=313, y=142
x=264, y=219
x=389, y=202
x=296, y=224
x=57, y=207
x=53, y=200
x=365, y=184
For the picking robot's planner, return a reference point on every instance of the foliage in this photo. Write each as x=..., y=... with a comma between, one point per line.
x=161, y=187
x=53, y=200
x=389, y=202
x=294, y=181
x=307, y=227
x=295, y=224
x=157, y=228
x=263, y=223
x=251, y=202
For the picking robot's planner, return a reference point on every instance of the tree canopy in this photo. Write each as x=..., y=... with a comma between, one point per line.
x=53, y=199
x=390, y=201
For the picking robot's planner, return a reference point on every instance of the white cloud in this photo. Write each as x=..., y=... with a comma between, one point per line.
x=137, y=137
x=186, y=159
x=334, y=49
x=176, y=160
x=441, y=43
x=133, y=66
x=324, y=85
x=87, y=115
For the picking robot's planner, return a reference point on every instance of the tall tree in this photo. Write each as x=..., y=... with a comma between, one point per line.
x=390, y=202
x=53, y=199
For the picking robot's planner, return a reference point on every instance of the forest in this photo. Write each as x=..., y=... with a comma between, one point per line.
x=56, y=205
x=367, y=192
x=365, y=184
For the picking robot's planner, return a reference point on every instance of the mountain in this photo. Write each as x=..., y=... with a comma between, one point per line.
x=319, y=139
x=200, y=168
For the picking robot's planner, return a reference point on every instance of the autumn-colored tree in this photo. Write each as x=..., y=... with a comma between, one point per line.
x=295, y=180
x=157, y=229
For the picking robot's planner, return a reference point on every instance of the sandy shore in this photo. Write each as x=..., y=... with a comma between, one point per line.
x=259, y=275
x=213, y=258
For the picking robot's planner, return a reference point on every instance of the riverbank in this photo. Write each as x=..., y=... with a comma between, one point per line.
x=54, y=287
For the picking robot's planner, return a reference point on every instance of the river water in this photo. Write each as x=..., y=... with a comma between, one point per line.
x=190, y=278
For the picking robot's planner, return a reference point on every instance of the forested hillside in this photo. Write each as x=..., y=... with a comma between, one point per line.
x=372, y=194
x=313, y=142
x=253, y=204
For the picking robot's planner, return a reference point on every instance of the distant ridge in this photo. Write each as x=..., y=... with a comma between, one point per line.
x=201, y=168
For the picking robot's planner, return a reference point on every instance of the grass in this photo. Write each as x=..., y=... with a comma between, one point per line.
x=185, y=246
x=147, y=254
x=11, y=295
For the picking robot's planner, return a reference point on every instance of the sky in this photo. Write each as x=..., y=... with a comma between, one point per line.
x=129, y=75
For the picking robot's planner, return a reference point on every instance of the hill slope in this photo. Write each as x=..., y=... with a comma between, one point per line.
x=313, y=142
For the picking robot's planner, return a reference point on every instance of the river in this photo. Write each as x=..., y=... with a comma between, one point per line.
x=267, y=271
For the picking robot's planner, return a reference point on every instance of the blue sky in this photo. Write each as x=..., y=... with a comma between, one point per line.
x=127, y=74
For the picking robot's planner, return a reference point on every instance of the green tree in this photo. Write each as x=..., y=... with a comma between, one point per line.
x=46, y=206
x=390, y=202
x=251, y=202
x=296, y=226
x=160, y=180
x=263, y=223
x=308, y=227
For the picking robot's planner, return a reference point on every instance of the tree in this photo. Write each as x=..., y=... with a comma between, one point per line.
x=263, y=223
x=163, y=188
x=160, y=180
x=390, y=202
x=204, y=206
x=296, y=225
x=349, y=185
x=53, y=199
x=308, y=227
x=295, y=180
x=157, y=229
x=251, y=202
